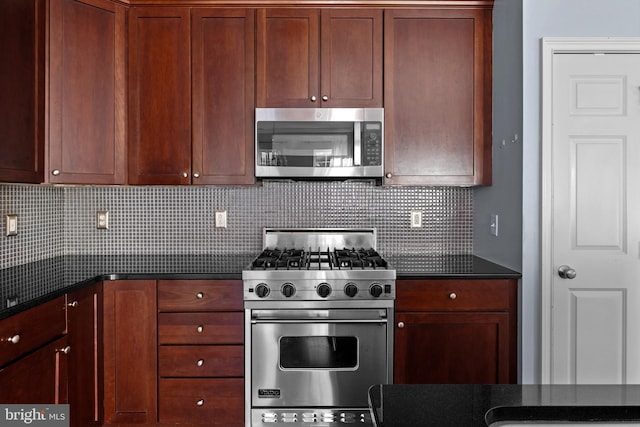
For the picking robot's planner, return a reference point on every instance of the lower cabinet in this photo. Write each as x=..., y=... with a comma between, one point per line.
x=34, y=353
x=456, y=332
x=130, y=352
x=201, y=352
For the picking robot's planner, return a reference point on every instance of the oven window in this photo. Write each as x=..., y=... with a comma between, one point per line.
x=318, y=352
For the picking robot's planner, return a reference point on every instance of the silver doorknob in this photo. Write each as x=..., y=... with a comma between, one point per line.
x=566, y=272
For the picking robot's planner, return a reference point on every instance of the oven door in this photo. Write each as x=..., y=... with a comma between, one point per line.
x=317, y=358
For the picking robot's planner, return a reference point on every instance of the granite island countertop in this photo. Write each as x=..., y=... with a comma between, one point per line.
x=40, y=281
x=466, y=405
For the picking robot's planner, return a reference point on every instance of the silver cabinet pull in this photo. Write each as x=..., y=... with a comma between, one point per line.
x=185, y=175
x=200, y=295
x=200, y=362
x=55, y=172
x=73, y=304
x=388, y=175
x=200, y=402
x=325, y=98
x=453, y=295
x=196, y=175
x=200, y=328
x=566, y=272
x=64, y=350
x=313, y=98
x=14, y=339
x=400, y=325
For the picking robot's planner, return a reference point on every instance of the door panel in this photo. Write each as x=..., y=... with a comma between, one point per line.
x=595, y=167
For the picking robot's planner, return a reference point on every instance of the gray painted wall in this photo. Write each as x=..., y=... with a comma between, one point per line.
x=552, y=18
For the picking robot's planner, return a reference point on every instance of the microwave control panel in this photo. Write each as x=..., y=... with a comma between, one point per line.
x=372, y=144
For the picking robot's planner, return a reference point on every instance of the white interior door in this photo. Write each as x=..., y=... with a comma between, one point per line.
x=594, y=221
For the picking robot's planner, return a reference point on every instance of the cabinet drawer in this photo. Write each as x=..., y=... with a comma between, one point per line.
x=202, y=401
x=31, y=329
x=201, y=328
x=200, y=295
x=456, y=295
x=201, y=361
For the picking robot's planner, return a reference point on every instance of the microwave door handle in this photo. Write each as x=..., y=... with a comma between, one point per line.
x=357, y=143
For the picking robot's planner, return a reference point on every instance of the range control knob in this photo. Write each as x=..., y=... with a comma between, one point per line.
x=324, y=290
x=375, y=290
x=288, y=290
x=350, y=290
x=262, y=290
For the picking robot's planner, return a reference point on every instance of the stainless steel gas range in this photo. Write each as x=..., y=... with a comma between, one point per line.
x=318, y=327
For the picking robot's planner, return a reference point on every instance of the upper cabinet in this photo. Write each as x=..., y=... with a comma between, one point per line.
x=22, y=78
x=438, y=96
x=319, y=58
x=191, y=96
x=86, y=102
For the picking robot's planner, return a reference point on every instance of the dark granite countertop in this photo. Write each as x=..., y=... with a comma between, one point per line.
x=39, y=281
x=449, y=405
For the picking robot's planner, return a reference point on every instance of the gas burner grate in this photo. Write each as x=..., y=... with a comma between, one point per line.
x=336, y=259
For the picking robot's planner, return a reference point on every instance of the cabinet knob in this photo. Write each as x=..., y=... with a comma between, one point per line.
x=200, y=402
x=400, y=325
x=200, y=362
x=55, y=172
x=388, y=175
x=325, y=98
x=199, y=295
x=185, y=175
x=453, y=295
x=64, y=350
x=313, y=98
x=196, y=175
x=14, y=339
x=200, y=328
x=73, y=304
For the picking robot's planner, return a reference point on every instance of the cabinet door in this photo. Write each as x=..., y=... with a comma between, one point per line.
x=351, y=61
x=84, y=318
x=86, y=92
x=40, y=377
x=22, y=83
x=288, y=58
x=451, y=348
x=130, y=351
x=223, y=45
x=159, y=147
x=438, y=97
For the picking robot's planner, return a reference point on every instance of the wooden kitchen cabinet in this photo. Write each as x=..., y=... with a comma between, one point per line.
x=191, y=95
x=130, y=352
x=22, y=85
x=86, y=143
x=319, y=57
x=34, y=355
x=456, y=331
x=201, y=352
x=85, y=333
x=437, y=94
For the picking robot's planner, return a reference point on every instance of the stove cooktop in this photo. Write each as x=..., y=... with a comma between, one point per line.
x=329, y=259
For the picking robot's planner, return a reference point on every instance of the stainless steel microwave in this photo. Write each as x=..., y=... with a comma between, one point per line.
x=319, y=142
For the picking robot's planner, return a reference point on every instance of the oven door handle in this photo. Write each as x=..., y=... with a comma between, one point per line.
x=310, y=321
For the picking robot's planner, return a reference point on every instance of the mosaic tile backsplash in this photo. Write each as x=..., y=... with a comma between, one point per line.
x=61, y=220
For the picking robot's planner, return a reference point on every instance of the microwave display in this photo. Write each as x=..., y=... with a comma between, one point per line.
x=318, y=143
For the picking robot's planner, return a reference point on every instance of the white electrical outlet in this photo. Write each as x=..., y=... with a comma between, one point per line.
x=416, y=219
x=221, y=219
x=102, y=220
x=12, y=225
x=493, y=226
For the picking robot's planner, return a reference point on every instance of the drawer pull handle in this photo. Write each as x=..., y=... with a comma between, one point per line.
x=73, y=304
x=400, y=325
x=64, y=350
x=200, y=328
x=200, y=362
x=200, y=402
x=453, y=295
x=199, y=295
x=14, y=339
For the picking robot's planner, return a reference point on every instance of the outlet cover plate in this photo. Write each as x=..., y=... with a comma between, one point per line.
x=102, y=220
x=12, y=225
